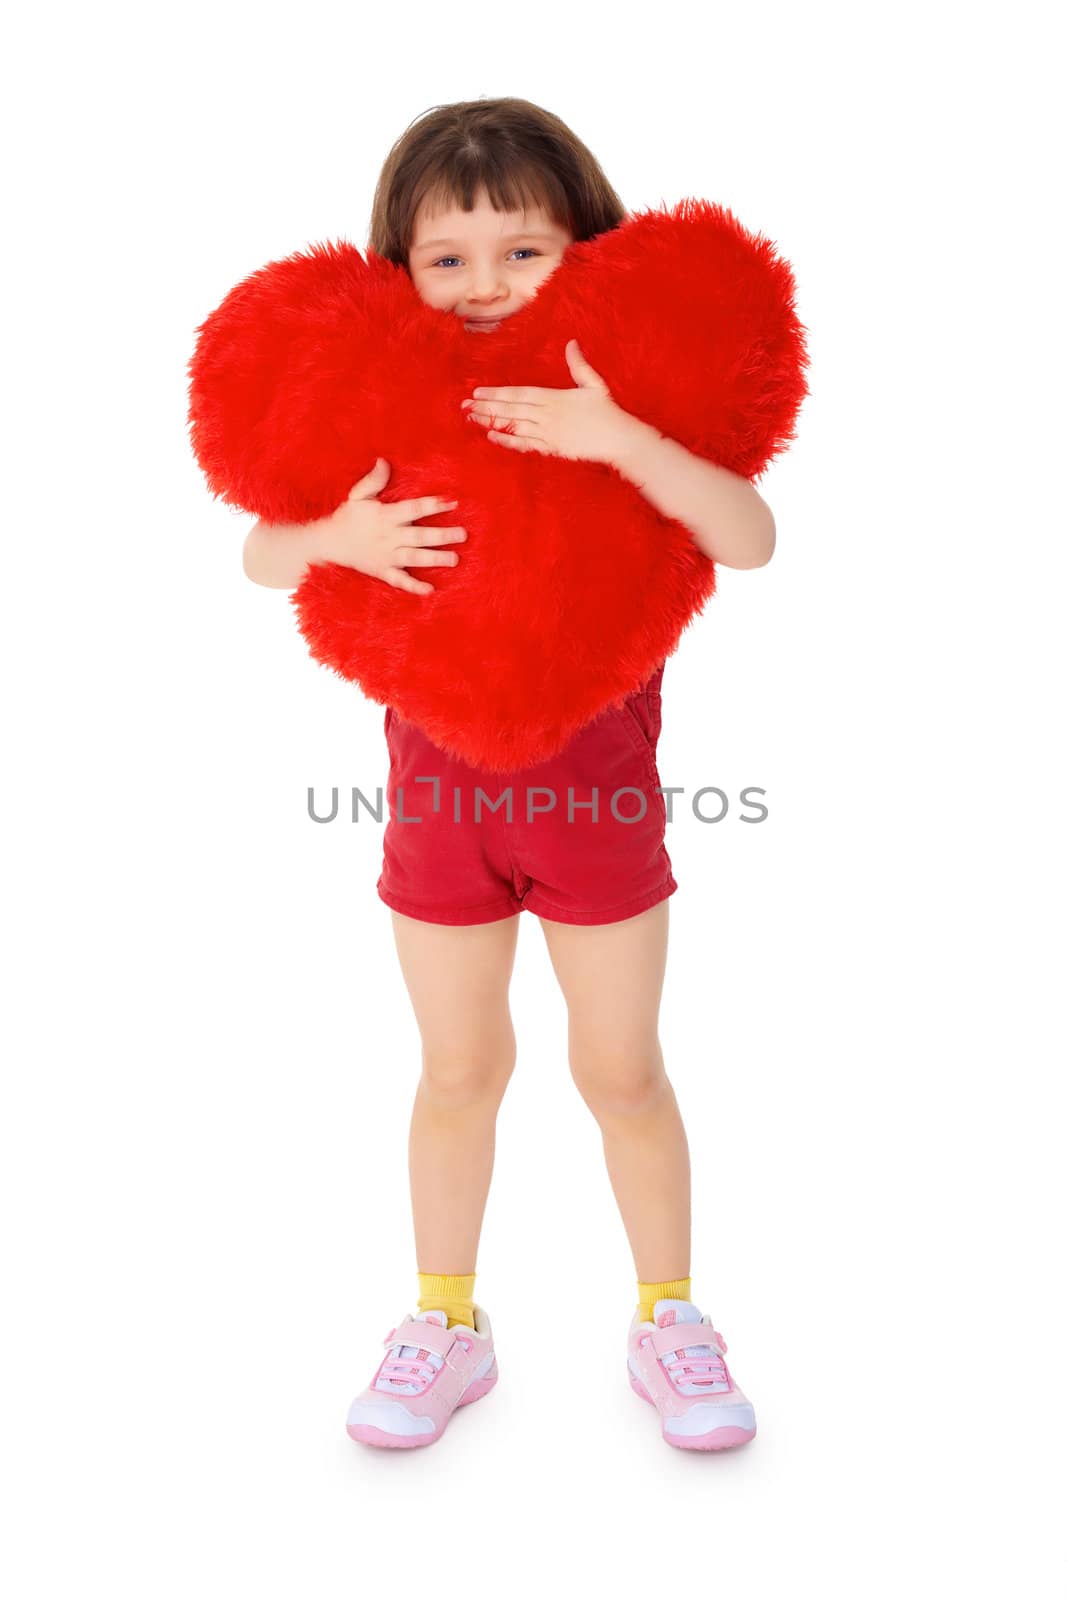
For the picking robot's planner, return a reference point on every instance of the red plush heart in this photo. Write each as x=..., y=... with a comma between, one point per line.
x=570, y=588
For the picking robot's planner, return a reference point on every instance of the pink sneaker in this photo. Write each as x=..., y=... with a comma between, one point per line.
x=689, y=1384
x=428, y=1370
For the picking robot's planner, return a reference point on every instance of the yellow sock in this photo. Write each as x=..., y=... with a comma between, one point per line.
x=649, y=1293
x=448, y=1292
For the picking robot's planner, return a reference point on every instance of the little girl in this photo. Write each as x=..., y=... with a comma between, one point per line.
x=478, y=201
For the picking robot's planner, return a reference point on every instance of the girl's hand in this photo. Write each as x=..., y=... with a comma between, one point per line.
x=580, y=424
x=378, y=538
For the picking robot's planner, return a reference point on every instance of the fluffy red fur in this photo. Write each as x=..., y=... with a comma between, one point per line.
x=571, y=588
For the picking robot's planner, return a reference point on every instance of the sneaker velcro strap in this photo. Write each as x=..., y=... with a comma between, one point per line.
x=680, y=1336
x=425, y=1336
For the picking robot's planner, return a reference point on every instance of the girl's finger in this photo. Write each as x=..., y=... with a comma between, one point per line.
x=420, y=536
x=513, y=441
x=500, y=408
x=400, y=580
x=426, y=558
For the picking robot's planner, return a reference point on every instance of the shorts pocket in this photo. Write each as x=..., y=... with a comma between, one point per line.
x=643, y=713
x=643, y=736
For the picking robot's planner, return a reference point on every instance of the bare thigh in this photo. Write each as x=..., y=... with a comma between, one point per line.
x=611, y=977
x=458, y=981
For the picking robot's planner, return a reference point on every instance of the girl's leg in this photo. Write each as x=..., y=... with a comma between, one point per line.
x=612, y=978
x=458, y=981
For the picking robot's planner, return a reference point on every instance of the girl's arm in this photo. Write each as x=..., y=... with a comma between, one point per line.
x=730, y=522
x=278, y=554
x=377, y=538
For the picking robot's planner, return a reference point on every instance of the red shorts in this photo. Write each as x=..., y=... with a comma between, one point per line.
x=463, y=862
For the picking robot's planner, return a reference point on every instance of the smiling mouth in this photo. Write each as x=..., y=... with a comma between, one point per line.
x=482, y=322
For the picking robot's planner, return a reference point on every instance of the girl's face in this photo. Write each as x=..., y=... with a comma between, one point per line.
x=483, y=265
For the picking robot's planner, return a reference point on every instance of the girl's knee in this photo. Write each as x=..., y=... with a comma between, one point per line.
x=452, y=1079
x=620, y=1083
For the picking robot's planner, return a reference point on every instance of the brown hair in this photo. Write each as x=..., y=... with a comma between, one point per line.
x=521, y=154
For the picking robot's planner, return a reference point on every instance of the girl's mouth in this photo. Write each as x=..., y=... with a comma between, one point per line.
x=482, y=324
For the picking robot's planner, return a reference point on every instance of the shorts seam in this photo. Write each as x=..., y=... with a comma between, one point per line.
x=516, y=870
x=403, y=904
x=638, y=903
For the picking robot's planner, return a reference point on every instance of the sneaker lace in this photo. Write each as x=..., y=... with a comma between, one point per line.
x=697, y=1369
x=408, y=1370
x=415, y=1370
x=694, y=1366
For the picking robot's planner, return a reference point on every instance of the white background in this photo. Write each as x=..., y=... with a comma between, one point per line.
x=212, y=1057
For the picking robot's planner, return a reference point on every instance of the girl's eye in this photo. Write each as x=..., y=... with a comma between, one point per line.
x=523, y=250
